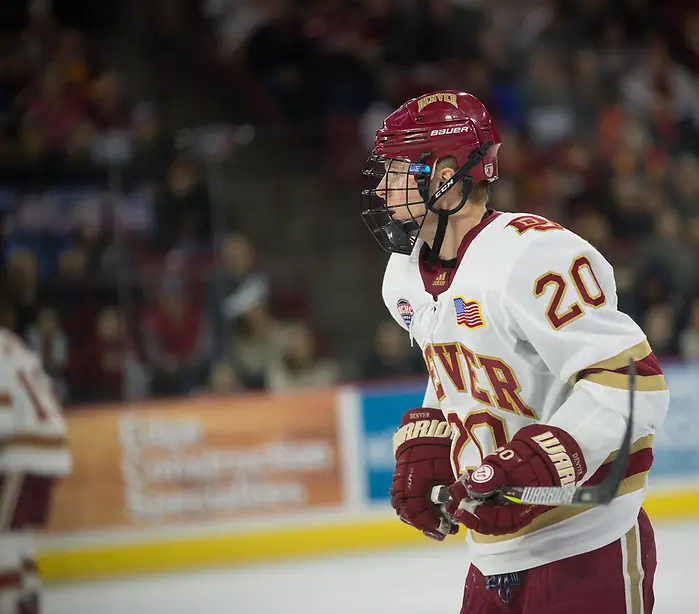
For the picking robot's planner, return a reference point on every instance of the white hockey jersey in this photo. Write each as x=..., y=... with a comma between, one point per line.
x=32, y=429
x=525, y=328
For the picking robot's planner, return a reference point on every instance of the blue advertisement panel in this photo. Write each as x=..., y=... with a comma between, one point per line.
x=382, y=410
x=676, y=445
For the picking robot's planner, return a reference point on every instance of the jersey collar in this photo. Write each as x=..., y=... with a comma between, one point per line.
x=438, y=278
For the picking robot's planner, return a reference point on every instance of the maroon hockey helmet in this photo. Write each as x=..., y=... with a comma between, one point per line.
x=420, y=132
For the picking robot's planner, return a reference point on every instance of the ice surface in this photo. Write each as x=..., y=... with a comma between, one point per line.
x=358, y=584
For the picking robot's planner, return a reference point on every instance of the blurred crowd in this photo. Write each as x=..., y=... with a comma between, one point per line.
x=597, y=104
x=121, y=270
x=111, y=270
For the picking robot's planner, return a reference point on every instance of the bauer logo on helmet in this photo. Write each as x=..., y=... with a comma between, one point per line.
x=455, y=130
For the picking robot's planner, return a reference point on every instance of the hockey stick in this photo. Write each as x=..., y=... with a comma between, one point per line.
x=602, y=494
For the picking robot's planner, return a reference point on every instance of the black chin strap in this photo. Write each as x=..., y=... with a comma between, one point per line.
x=433, y=255
x=442, y=220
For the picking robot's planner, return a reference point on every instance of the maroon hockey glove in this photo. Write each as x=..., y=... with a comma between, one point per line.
x=538, y=455
x=422, y=449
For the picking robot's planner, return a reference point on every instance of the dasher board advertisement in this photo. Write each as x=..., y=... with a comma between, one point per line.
x=200, y=460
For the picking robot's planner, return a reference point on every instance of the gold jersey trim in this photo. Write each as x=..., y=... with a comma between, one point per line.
x=642, y=443
x=620, y=381
x=621, y=360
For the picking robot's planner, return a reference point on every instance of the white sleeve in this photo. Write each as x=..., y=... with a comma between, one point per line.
x=390, y=293
x=430, y=398
x=561, y=299
x=401, y=311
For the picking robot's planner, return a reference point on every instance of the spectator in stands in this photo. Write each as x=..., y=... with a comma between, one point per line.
x=668, y=248
x=547, y=99
x=53, y=115
x=661, y=87
x=100, y=370
x=49, y=341
x=280, y=52
x=684, y=190
x=589, y=90
x=223, y=379
x=659, y=326
x=176, y=341
x=71, y=60
x=349, y=88
x=689, y=45
x=153, y=149
x=630, y=215
x=88, y=235
x=689, y=337
x=392, y=356
x=183, y=211
x=9, y=77
x=237, y=285
x=39, y=37
x=108, y=106
x=21, y=286
x=79, y=145
x=73, y=294
x=259, y=339
x=300, y=365
x=8, y=318
x=234, y=22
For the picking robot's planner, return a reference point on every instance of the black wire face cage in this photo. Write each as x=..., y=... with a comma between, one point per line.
x=387, y=177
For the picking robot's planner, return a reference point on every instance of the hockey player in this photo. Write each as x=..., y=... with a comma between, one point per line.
x=33, y=453
x=527, y=356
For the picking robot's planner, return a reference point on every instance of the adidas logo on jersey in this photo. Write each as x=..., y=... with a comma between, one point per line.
x=441, y=279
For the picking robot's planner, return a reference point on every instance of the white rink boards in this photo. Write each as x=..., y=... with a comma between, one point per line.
x=371, y=584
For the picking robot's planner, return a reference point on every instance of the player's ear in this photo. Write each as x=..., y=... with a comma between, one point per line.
x=445, y=174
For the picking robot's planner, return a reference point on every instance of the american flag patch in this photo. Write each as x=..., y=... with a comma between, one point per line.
x=468, y=313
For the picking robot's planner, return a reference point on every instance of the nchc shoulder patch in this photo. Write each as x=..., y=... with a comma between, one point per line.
x=405, y=310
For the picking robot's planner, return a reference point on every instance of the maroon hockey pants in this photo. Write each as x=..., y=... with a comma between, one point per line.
x=616, y=579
